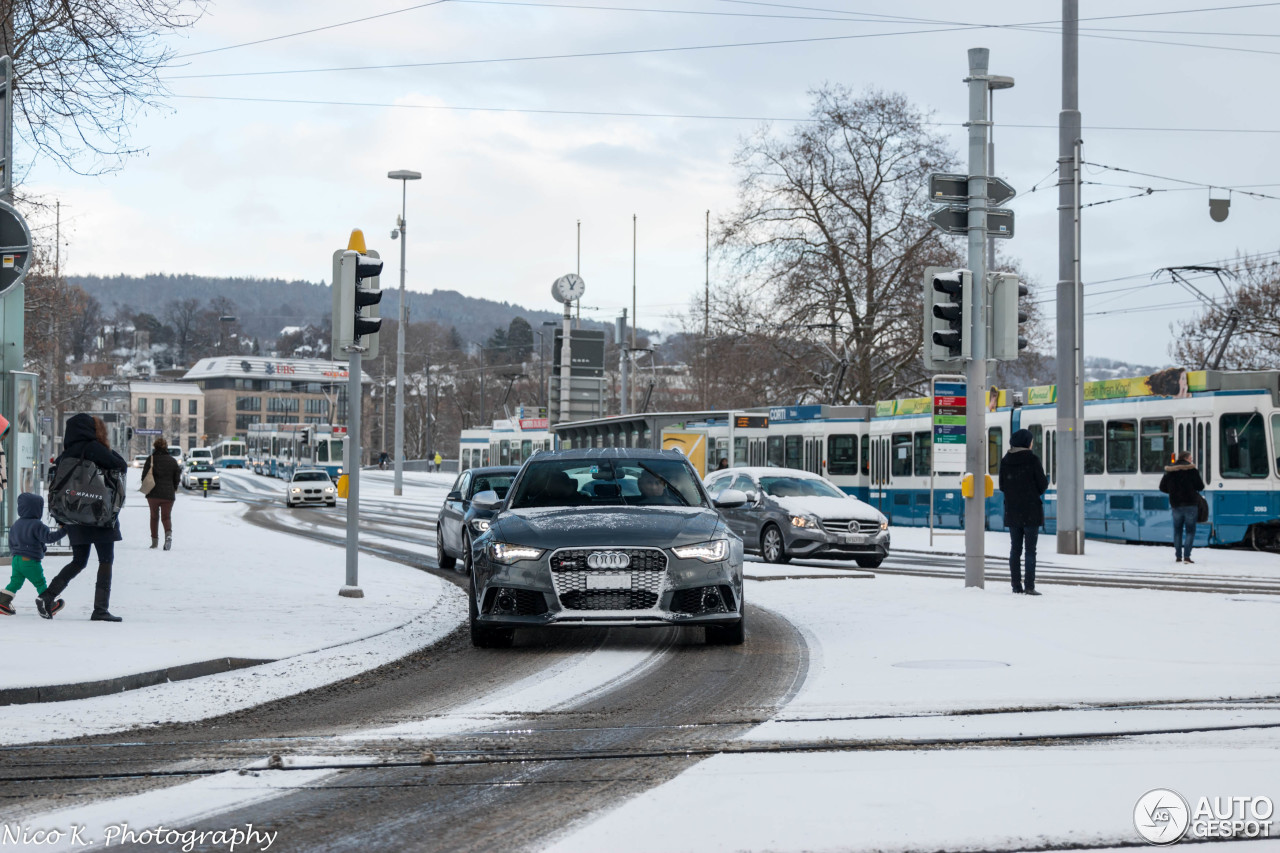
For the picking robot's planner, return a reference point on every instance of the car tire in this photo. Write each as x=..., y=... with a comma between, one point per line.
x=772, y=545
x=482, y=636
x=466, y=552
x=332, y=504
x=869, y=562
x=442, y=556
x=727, y=635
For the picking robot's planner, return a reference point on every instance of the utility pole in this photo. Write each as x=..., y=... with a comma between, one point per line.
x=975, y=509
x=631, y=405
x=578, y=270
x=706, y=325
x=623, y=391
x=1070, y=405
x=404, y=176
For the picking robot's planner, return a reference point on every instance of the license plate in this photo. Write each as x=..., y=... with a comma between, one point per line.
x=616, y=580
x=853, y=539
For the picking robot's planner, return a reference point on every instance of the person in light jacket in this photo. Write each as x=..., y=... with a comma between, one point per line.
x=165, y=470
x=1183, y=484
x=1022, y=481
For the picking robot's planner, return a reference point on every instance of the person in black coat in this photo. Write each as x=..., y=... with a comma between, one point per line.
x=1022, y=481
x=87, y=435
x=167, y=474
x=1183, y=484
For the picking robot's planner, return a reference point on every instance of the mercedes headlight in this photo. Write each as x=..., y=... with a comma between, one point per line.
x=806, y=521
x=884, y=523
x=506, y=554
x=708, y=552
x=479, y=525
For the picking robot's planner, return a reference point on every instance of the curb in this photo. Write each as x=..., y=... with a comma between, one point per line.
x=90, y=689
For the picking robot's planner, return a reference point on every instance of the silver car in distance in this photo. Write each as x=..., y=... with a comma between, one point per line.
x=614, y=536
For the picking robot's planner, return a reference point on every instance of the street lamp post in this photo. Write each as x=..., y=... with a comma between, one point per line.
x=403, y=176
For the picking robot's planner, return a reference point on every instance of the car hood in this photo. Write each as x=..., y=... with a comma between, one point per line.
x=598, y=527
x=849, y=507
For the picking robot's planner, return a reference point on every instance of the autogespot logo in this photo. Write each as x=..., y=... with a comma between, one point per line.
x=608, y=560
x=1161, y=816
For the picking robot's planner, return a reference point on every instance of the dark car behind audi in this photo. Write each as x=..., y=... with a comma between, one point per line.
x=615, y=536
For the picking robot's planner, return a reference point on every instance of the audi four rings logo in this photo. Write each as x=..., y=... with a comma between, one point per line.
x=608, y=560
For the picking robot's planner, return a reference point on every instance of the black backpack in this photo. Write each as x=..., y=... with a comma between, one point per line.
x=83, y=494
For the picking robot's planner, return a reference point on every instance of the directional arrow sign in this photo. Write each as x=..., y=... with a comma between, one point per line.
x=954, y=219
x=955, y=188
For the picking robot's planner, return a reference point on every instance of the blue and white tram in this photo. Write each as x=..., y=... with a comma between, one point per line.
x=277, y=450
x=509, y=442
x=229, y=453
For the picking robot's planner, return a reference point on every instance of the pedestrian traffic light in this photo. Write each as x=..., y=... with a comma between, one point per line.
x=356, y=295
x=948, y=312
x=1007, y=316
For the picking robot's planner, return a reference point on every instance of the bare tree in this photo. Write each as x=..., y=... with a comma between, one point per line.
x=83, y=70
x=830, y=239
x=1255, y=301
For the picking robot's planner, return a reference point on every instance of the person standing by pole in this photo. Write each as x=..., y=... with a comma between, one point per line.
x=1183, y=484
x=165, y=474
x=1022, y=481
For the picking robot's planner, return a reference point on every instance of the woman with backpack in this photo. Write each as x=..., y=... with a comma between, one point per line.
x=86, y=436
x=165, y=474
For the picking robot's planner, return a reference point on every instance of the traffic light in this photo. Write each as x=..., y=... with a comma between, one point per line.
x=948, y=312
x=355, y=298
x=1007, y=316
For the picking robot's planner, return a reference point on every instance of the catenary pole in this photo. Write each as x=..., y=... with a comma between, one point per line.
x=976, y=369
x=1070, y=304
x=404, y=176
x=351, y=462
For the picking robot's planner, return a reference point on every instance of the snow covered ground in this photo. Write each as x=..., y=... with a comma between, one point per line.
x=227, y=589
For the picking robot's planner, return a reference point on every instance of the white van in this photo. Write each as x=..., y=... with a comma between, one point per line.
x=200, y=454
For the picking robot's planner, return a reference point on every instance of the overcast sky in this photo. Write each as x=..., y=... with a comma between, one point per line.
x=240, y=188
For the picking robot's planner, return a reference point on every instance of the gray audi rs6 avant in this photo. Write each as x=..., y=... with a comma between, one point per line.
x=614, y=536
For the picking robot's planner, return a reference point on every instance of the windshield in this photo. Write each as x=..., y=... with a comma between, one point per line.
x=608, y=482
x=201, y=466
x=499, y=483
x=799, y=487
x=310, y=476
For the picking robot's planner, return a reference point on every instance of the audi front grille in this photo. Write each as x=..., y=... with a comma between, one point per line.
x=572, y=576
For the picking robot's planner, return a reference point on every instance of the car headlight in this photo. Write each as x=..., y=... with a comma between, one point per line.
x=708, y=552
x=215, y=478
x=884, y=523
x=502, y=552
x=479, y=525
x=328, y=490
x=806, y=521
x=296, y=491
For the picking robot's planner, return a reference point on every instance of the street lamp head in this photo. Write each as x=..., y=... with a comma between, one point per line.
x=996, y=81
x=227, y=319
x=404, y=175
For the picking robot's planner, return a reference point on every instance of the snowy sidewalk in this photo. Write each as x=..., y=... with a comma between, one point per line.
x=227, y=590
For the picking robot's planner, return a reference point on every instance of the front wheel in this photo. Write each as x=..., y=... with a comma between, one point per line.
x=727, y=635
x=466, y=552
x=442, y=556
x=869, y=562
x=771, y=546
x=482, y=636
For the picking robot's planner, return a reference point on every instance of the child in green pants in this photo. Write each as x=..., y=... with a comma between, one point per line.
x=27, y=540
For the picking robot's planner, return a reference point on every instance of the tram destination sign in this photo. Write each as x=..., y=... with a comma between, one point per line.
x=950, y=429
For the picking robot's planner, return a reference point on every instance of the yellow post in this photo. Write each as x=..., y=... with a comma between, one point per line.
x=342, y=486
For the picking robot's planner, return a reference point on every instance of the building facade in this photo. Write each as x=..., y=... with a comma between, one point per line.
x=175, y=410
x=244, y=390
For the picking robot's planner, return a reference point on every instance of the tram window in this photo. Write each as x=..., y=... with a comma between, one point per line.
x=842, y=454
x=1122, y=447
x=1053, y=455
x=900, y=464
x=866, y=456
x=504, y=453
x=793, y=452
x=1093, y=447
x=322, y=451
x=995, y=450
x=923, y=448
x=775, y=451
x=1037, y=440
x=1244, y=446
x=739, y=451
x=1157, y=441
x=1275, y=441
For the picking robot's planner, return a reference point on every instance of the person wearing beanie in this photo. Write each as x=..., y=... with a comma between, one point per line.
x=1022, y=481
x=1183, y=484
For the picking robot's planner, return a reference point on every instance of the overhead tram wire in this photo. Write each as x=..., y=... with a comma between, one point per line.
x=700, y=116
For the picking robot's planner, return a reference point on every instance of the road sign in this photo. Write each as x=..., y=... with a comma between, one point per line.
x=15, y=248
x=955, y=188
x=954, y=219
x=148, y=432
x=949, y=424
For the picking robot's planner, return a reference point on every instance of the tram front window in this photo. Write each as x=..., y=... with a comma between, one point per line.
x=1243, y=443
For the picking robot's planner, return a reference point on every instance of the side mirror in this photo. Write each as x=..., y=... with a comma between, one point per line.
x=752, y=498
x=453, y=496
x=729, y=499
x=487, y=500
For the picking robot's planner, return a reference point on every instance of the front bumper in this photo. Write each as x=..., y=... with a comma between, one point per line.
x=830, y=545
x=683, y=592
